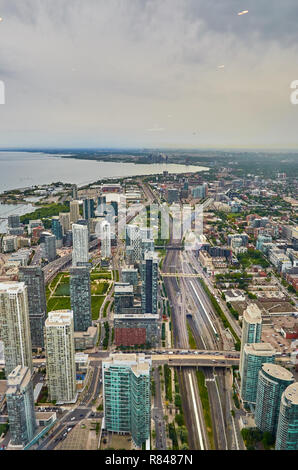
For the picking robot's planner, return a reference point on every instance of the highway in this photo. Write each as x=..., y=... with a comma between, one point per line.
x=187, y=297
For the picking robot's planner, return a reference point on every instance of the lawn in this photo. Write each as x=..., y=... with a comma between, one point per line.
x=99, y=288
x=96, y=303
x=62, y=290
x=59, y=303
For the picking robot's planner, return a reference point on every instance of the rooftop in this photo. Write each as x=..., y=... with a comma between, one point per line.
x=259, y=349
x=278, y=372
x=291, y=393
x=252, y=314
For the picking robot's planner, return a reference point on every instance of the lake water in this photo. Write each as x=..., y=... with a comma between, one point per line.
x=23, y=169
x=12, y=209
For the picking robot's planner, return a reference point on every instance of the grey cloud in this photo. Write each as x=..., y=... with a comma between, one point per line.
x=105, y=72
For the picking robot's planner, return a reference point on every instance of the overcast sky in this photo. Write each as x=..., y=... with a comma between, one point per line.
x=146, y=73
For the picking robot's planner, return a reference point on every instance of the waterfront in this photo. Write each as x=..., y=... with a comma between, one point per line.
x=24, y=169
x=12, y=209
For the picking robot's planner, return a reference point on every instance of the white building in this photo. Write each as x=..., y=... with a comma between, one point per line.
x=80, y=251
x=60, y=356
x=15, y=326
x=105, y=239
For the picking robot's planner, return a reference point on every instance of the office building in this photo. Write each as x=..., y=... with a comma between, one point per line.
x=50, y=251
x=20, y=406
x=127, y=395
x=15, y=325
x=272, y=382
x=149, y=275
x=74, y=208
x=80, y=297
x=254, y=356
x=105, y=239
x=251, y=328
x=33, y=277
x=60, y=356
x=287, y=428
x=80, y=242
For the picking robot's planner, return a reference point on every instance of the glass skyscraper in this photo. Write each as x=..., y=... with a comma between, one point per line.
x=272, y=382
x=20, y=406
x=287, y=429
x=33, y=277
x=127, y=395
x=254, y=356
x=251, y=328
x=149, y=275
x=80, y=297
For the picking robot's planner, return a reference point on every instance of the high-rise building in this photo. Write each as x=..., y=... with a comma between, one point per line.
x=80, y=297
x=75, y=192
x=105, y=239
x=254, y=356
x=88, y=209
x=50, y=251
x=20, y=406
x=134, y=240
x=57, y=230
x=15, y=326
x=127, y=395
x=64, y=218
x=74, y=208
x=272, y=382
x=130, y=276
x=33, y=277
x=287, y=428
x=251, y=328
x=60, y=356
x=14, y=221
x=80, y=242
x=123, y=297
x=101, y=201
x=149, y=275
x=172, y=195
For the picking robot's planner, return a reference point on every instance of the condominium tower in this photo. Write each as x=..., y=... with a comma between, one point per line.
x=149, y=275
x=251, y=328
x=80, y=297
x=80, y=242
x=15, y=326
x=105, y=239
x=60, y=356
x=254, y=356
x=20, y=406
x=74, y=208
x=287, y=428
x=127, y=395
x=33, y=277
x=272, y=382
